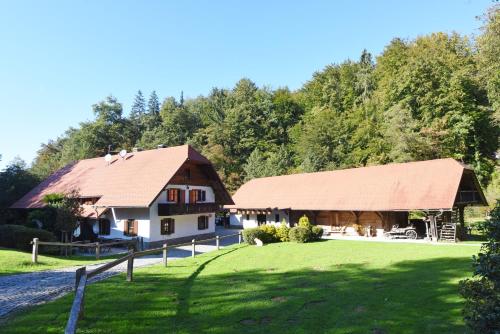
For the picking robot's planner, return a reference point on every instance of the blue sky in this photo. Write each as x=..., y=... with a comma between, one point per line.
x=57, y=58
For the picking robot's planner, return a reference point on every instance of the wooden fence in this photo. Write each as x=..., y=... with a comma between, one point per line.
x=70, y=245
x=82, y=275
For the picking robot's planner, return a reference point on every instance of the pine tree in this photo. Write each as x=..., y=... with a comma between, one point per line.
x=153, y=104
x=138, y=107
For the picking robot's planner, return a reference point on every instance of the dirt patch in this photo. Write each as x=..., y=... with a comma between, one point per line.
x=265, y=320
x=279, y=299
x=248, y=322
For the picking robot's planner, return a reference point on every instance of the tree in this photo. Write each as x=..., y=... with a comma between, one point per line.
x=138, y=107
x=67, y=210
x=153, y=104
x=488, y=45
x=108, y=111
x=433, y=80
x=15, y=181
x=482, y=294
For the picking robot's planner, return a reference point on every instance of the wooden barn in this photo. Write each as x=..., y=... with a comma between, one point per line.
x=363, y=201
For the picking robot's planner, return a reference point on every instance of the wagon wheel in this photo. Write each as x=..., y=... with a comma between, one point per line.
x=411, y=234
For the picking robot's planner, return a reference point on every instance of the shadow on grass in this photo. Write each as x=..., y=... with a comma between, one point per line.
x=405, y=297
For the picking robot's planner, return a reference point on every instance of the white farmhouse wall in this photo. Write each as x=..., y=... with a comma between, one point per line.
x=118, y=216
x=241, y=219
x=185, y=225
x=149, y=221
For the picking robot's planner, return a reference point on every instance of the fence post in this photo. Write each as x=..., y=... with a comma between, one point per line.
x=97, y=250
x=79, y=273
x=165, y=254
x=34, y=257
x=217, y=242
x=239, y=237
x=130, y=266
x=194, y=247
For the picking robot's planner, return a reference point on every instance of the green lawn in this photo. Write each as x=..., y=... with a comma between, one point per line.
x=324, y=287
x=18, y=262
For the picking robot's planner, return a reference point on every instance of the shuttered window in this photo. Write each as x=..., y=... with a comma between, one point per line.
x=167, y=226
x=130, y=228
x=104, y=227
x=173, y=195
x=202, y=222
x=193, y=196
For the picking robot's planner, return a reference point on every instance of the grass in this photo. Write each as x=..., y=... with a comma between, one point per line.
x=324, y=287
x=18, y=262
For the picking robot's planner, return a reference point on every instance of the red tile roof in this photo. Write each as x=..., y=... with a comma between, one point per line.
x=134, y=181
x=431, y=184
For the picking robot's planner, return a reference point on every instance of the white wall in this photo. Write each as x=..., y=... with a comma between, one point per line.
x=241, y=220
x=185, y=225
x=118, y=216
x=149, y=221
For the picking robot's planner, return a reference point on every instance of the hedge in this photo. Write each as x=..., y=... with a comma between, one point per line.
x=19, y=236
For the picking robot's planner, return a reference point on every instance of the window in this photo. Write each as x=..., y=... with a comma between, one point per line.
x=277, y=218
x=193, y=196
x=173, y=195
x=201, y=196
x=167, y=226
x=130, y=228
x=248, y=216
x=261, y=219
x=104, y=227
x=202, y=222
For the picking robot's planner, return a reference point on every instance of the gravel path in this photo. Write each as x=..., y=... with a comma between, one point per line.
x=25, y=290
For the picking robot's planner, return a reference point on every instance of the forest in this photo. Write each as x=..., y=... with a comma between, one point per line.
x=434, y=96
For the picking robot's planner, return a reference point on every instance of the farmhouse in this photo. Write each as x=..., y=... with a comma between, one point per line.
x=162, y=194
x=362, y=201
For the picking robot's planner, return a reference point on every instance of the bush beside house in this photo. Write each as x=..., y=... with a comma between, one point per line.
x=304, y=232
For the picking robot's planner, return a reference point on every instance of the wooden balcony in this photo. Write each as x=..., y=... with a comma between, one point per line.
x=174, y=209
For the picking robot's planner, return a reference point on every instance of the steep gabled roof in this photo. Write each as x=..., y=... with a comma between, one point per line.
x=134, y=181
x=431, y=184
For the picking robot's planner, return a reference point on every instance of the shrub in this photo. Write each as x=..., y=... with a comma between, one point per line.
x=283, y=231
x=250, y=234
x=316, y=232
x=18, y=236
x=482, y=294
x=304, y=222
x=269, y=234
x=299, y=234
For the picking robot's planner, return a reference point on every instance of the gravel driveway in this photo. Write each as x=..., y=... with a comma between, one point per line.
x=24, y=290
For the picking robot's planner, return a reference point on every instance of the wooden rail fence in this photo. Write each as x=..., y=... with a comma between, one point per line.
x=97, y=245
x=82, y=275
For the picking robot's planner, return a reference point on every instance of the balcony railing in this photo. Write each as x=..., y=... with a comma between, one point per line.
x=174, y=209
